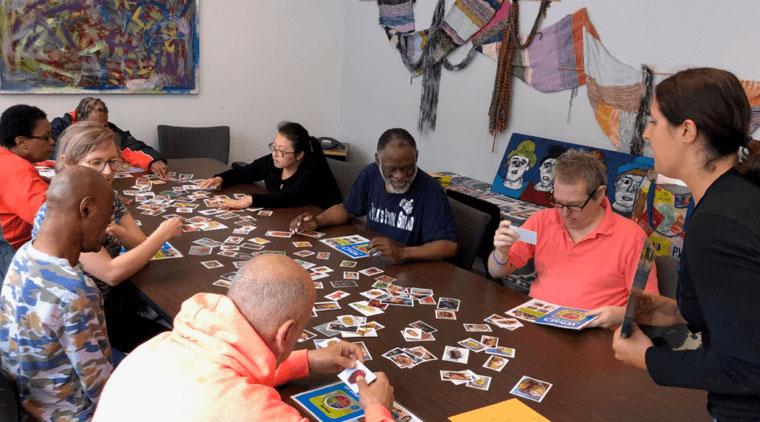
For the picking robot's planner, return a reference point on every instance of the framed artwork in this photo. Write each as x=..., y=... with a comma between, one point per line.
x=86, y=46
x=526, y=171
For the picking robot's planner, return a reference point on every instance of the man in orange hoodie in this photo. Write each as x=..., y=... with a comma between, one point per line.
x=227, y=353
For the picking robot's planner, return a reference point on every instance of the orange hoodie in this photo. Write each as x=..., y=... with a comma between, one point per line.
x=212, y=366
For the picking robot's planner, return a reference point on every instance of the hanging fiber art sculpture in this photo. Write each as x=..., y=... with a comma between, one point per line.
x=564, y=56
x=425, y=52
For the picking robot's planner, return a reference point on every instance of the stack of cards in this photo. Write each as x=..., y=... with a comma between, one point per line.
x=447, y=308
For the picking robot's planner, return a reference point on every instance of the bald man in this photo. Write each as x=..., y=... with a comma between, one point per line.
x=227, y=353
x=53, y=340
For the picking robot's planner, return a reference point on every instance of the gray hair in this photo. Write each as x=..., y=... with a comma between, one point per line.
x=575, y=165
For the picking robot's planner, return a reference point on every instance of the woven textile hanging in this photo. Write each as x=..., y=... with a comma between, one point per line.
x=425, y=52
x=567, y=55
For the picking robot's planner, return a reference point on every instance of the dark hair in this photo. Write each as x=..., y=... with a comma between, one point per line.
x=717, y=104
x=86, y=106
x=18, y=120
x=395, y=134
x=302, y=141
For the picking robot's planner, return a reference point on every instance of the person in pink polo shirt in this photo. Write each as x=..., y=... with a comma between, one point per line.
x=586, y=254
x=227, y=353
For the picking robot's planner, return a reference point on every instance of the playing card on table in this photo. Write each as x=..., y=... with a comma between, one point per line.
x=365, y=309
x=278, y=233
x=337, y=295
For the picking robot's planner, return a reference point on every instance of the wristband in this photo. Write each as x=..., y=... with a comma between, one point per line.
x=493, y=254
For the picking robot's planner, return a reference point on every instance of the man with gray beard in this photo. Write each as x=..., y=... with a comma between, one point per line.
x=402, y=203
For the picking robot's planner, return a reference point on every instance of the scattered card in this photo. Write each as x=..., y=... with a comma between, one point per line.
x=531, y=388
x=496, y=363
x=212, y=264
x=444, y=314
x=455, y=354
x=337, y=295
x=348, y=264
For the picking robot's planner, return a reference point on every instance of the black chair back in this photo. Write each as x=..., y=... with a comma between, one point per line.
x=193, y=142
x=471, y=223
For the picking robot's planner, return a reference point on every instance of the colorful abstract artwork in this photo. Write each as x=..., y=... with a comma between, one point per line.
x=527, y=171
x=80, y=46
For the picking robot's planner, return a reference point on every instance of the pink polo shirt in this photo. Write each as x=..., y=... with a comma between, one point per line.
x=596, y=271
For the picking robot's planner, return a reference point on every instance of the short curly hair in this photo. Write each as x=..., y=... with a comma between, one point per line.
x=18, y=120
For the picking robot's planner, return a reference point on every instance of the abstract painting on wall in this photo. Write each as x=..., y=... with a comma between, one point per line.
x=117, y=46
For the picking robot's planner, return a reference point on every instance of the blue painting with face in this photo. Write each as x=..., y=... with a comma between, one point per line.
x=526, y=171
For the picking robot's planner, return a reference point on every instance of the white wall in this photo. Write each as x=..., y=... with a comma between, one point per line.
x=328, y=65
x=666, y=35
x=261, y=62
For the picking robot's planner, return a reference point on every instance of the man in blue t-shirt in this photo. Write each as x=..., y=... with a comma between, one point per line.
x=402, y=203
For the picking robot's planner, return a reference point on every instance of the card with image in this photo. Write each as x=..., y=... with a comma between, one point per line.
x=490, y=341
x=385, y=278
x=318, y=276
x=448, y=303
x=278, y=233
x=322, y=269
x=326, y=306
x=503, y=351
x=305, y=335
x=317, y=285
x=496, y=363
x=525, y=235
x=259, y=240
x=303, y=253
x=351, y=320
x=342, y=284
x=199, y=250
x=350, y=275
x=371, y=271
x=472, y=344
x=479, y=382
x=233, y=239
x=302, y=244
x=365, y=309
x=337, y=295
x=423, y=326
x=265, y=213
x=366, y=356
x=323, y=255
x=531, y=389
x=348, y=264
x=445, y=314
x=455, y=354
x=312, y=234
x=221, y=283
x=212, y=264
x=477, y=328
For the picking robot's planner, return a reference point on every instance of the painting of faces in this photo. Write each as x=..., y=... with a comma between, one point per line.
x=526, y=171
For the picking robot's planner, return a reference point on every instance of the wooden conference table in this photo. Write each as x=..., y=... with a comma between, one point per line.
x=588, y=383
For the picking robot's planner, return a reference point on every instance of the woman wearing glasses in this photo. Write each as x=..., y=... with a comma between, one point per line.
x=25, y=139
x=700, y=118
x=295, y=174
x=585, y=254
x=94, y=145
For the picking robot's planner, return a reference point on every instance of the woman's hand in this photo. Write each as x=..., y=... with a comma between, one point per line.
x=214, y=183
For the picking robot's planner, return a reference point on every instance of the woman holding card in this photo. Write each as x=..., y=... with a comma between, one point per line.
x=93, y=145
x=700, y=119
x=295, y=174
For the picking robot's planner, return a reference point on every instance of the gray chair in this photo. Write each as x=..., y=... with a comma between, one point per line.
x=193, y=142
x=345, y=174
x=471, y=224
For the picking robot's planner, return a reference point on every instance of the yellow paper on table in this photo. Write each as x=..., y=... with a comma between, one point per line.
x=512, y=410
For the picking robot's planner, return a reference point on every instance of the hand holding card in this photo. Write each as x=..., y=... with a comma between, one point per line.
x=350, y=376
x=334, y=358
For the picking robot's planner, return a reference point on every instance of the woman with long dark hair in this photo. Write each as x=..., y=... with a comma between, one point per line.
x=700, y=119
x=295, y=174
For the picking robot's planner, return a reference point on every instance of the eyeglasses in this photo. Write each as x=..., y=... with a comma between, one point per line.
x=277, y=152
x=116, y=164
x=47, y=137
x=571, y=208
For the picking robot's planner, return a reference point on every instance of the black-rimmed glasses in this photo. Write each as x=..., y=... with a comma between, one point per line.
x=116, y=164
x=277, y=153
x=569, y=207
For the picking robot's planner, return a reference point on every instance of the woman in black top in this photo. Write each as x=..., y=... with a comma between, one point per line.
x=295, y=174
x=699, y=121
